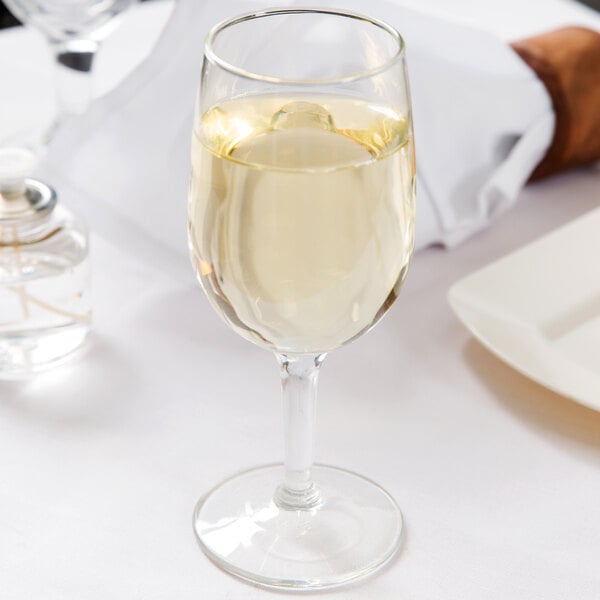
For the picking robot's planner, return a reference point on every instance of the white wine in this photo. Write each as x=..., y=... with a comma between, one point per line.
x=301, y=216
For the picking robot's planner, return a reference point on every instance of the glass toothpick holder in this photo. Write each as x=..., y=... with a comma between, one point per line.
x=44, y=272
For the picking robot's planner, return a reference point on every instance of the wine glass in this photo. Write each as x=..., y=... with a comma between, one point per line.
x=301, y=229
x=74, y=30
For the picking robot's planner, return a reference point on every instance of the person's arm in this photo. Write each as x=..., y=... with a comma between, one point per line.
x=567, y=61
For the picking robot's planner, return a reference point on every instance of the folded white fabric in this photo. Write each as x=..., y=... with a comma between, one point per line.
x=482, y=123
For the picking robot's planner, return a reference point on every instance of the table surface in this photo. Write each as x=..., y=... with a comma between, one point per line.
x=103, y=458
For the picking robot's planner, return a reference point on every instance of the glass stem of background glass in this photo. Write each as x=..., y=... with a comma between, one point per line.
x=299, y=375
x=74, y=61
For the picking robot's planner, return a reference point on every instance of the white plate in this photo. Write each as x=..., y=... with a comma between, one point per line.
x=538, y=309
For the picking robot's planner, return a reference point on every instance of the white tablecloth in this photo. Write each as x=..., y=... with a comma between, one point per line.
x=103, y=459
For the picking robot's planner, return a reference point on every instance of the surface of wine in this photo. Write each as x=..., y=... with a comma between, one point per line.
x=301, y=216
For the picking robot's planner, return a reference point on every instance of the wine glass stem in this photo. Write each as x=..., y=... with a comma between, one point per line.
x=74, y=60
x=299, y=375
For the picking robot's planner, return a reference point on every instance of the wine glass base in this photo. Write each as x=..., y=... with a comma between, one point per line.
x=352, y=533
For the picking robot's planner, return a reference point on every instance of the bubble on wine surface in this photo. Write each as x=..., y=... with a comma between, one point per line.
x=302, y=114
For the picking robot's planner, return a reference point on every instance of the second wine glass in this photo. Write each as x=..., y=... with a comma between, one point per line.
x=74, y=30
x=301, y=223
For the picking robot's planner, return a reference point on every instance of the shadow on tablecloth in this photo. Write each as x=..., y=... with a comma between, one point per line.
x=73, y=395
x=536, y=406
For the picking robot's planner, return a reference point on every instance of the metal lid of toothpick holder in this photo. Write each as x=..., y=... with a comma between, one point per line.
x=44, y=271
x=22, y=198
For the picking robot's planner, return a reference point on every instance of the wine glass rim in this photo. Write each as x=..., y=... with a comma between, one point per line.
x=212, y=56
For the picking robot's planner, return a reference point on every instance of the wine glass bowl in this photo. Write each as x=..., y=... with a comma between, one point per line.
x=301, y=231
